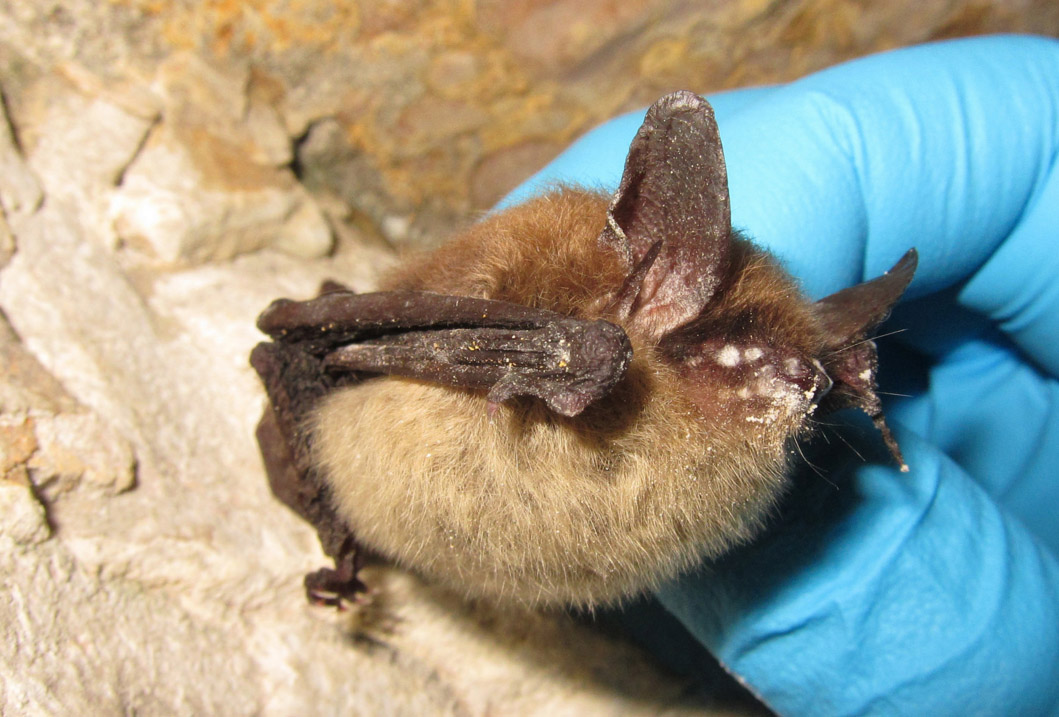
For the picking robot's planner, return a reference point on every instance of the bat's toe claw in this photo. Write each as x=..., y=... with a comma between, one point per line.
x=331, y=588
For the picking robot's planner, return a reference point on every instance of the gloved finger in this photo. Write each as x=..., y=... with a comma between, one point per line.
x=990, y=411
x=915, y=595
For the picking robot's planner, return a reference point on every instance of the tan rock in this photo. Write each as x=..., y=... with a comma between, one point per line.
x=18, y=443
x=559, y=36
x=7, y=241
x=22, y=517
x=190, y=197
x=25, y=385
x=79, y=449
x=502, y=171
x=19, y=189
x=79, y=148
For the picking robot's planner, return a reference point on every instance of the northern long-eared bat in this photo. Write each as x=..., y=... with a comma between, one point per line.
x=574, y=399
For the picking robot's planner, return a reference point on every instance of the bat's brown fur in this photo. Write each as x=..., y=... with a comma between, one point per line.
x=680, y=462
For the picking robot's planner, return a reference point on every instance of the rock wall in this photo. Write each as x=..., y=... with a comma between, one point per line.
x=166, y=169
x=407, y=115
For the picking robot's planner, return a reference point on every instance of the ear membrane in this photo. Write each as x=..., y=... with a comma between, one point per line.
x=674, y=190
x=849, y=315
x=850, y=359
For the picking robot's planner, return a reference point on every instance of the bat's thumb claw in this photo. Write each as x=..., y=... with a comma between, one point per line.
x=554, y=393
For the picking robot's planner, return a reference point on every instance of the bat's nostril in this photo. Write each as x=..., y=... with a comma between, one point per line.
x=796, y=369
x=809, y=375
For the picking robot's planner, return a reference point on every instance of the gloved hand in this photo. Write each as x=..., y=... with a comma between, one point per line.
x=937, y=591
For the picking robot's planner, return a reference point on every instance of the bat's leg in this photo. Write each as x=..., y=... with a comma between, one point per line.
x=295, y=381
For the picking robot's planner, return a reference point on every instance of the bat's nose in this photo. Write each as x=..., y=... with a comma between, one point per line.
x=808, y=375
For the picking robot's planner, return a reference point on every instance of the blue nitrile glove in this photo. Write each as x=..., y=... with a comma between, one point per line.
x=937, y=591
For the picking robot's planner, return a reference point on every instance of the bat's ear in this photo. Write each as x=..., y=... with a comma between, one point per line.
x=848, y=315
x=849, y=358
x=670, y=220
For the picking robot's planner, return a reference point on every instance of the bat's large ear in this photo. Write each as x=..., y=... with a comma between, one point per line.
x=848, y=315
x=849, y=358
x=670, y=220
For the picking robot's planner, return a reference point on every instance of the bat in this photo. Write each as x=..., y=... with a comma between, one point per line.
x=572, y=401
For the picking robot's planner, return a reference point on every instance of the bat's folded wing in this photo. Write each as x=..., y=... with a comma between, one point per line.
x=508, y=349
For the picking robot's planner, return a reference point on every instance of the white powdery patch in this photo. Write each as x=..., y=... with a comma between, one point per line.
x=793, y=366
x=780, y=393
x=784, y=397
x=753, y=353
x=728, y=356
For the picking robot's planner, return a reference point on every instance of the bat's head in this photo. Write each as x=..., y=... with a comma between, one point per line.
x=680, y=460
